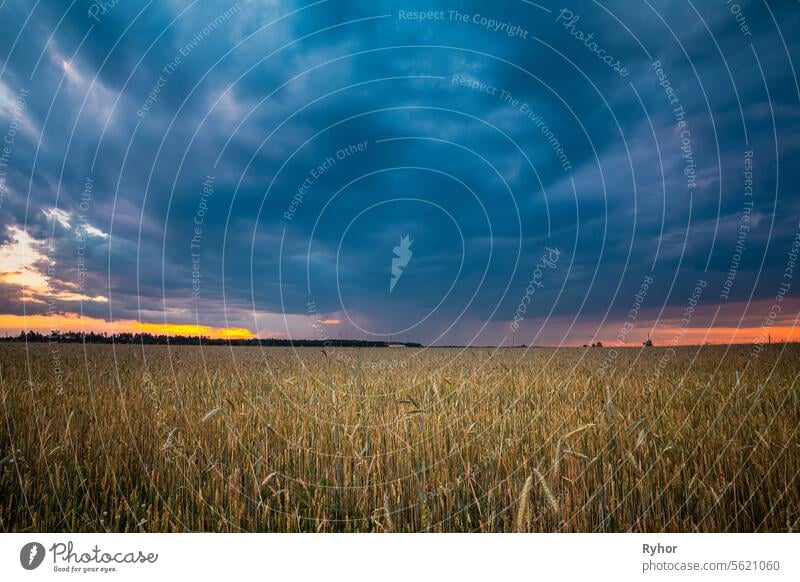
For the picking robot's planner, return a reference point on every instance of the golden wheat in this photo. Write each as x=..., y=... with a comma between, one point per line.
x=157, y=438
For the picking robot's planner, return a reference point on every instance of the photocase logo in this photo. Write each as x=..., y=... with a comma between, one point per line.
x=31, y=555
x=400, y=260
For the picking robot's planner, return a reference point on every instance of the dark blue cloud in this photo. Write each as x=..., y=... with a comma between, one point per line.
x=487, y=136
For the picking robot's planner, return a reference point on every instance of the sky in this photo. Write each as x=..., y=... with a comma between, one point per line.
x=439, y=172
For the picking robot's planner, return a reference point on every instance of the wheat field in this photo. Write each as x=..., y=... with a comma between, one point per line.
x=217, y=439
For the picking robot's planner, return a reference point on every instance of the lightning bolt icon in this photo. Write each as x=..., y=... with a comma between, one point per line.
x=402, y=256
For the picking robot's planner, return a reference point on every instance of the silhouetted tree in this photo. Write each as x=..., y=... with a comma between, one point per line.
x=74, y=337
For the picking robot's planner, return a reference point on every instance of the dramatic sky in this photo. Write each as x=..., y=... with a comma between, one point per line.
x=561, y=172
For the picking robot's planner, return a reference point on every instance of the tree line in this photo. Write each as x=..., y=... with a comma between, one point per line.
x=77, y=337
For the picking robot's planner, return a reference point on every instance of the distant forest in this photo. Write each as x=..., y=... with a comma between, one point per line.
x=70, y=337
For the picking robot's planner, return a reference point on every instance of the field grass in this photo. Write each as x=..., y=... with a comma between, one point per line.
x=157, y=439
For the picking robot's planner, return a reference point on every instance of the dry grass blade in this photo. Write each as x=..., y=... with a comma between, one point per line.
x=210, y=414
x=578, y=430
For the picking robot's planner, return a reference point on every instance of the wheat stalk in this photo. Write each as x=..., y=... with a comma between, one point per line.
x=522, y=512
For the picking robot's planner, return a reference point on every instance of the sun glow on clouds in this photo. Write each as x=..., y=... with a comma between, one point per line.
x=728, y=323
x=21, y=253
x=73, y=322
x=728, y=335
x=22, y=264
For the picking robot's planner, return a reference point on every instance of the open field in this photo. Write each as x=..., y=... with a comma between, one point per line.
x=244, y=439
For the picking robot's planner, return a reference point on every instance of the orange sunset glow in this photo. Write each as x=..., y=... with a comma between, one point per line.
x=14, y=324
